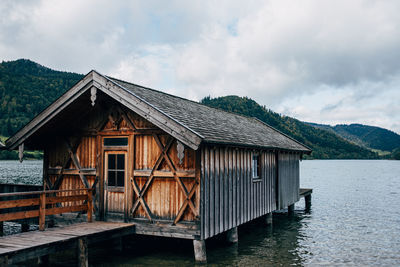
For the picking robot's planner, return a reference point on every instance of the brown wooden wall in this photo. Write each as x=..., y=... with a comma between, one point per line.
x=230, y=196
x=171, y=179
x=165, y=197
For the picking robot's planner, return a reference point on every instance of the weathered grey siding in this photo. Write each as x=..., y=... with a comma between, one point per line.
x=229, y=196
x=288, y=166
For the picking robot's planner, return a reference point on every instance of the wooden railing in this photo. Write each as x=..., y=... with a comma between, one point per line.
x=45, y=204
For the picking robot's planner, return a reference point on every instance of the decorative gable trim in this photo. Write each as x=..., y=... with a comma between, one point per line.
x=95, y=80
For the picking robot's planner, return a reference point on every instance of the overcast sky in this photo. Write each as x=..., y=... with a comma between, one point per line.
x=321, y=61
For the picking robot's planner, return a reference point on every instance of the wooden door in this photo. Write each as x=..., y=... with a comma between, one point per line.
x=115, y=181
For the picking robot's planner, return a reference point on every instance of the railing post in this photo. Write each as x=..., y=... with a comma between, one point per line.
x=90, y=205
x=42, y=211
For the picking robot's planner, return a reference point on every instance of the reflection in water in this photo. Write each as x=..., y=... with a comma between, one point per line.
x=259, y=244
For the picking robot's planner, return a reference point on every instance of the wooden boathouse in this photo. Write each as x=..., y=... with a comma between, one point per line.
x=170, y=166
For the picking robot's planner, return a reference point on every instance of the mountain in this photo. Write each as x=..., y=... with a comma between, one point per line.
x=26, y=88
x=364, y=135
x=325, y=144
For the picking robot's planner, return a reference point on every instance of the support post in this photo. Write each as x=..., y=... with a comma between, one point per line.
x=24, y=227
x=291, y=210
x=42, y=211
x=232, y=235
x=117, y=244
x=307, y=199
x=83, y=257
x=43, y=261
x=4, y=261
x=90, y=205
x=1, y=228
x=268, y=218
x=200, y=254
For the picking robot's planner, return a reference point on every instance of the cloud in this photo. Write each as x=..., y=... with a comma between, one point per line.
x=329, y=62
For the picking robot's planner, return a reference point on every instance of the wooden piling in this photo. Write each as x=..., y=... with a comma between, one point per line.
x=268, y=218
x=83, y=257
x=117, y=244
x=307, y=200
x=90, y=205
x=24, y=227
x=291, y=210
x=200, y=254
x=43, y=261
x=232, y=235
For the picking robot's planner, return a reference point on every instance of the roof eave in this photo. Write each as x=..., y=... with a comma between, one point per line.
x=212, y=142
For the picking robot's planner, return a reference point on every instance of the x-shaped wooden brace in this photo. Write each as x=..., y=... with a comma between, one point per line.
x=140, y=193
x=188, y=195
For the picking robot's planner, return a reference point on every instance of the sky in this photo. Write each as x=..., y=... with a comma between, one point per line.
x=330, y=62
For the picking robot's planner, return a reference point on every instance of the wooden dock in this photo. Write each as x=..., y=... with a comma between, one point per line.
x=306, y=193
x=39, y=244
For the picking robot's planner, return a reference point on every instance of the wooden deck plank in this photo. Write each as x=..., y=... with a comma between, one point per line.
x=27, y=245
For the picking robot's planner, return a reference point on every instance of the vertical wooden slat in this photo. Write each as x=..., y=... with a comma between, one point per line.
x=248, y=192
x=226, y=190
x=221, y=189
x=234, y=204
x=242, y=186
x=217, y=202
x=206, y=192
x=212, y=191
x=230, y=180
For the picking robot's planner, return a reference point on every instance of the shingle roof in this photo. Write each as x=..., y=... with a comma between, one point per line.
x=214, y=125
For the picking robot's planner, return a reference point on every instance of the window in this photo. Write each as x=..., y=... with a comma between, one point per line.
x=115, y=141
x=256, y=168
x=116, y=170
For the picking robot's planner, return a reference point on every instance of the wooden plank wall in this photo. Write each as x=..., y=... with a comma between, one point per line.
x=229, y=196
x=164, y=197
x=86, y=154
x=289, y=179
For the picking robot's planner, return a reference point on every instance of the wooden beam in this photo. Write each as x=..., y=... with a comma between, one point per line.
x=19, y=203
x=77, y=164
x=42, y=211
x=60, y=171
x=126, y=118
x=166, y=174
x=19, y=215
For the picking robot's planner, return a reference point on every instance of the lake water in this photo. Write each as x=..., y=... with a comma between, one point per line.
x=354, y=221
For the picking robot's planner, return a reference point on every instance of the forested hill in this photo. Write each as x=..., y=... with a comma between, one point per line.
x=26, y=88
x=365, y=135
x=325, y=144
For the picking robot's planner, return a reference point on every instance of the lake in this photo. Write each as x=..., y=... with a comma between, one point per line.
x=354, y=221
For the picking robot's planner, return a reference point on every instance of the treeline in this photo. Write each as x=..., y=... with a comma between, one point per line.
x=325, y=145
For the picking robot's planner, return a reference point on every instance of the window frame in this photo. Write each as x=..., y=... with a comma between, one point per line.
x=115, y=188
x=256, y=173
